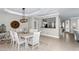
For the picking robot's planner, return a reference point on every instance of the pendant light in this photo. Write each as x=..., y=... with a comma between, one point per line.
x=23, y=20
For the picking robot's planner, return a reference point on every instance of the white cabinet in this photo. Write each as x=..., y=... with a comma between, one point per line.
x=50, y=32
x=53, y=29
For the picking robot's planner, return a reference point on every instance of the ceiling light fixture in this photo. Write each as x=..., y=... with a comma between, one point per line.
x=23, y=20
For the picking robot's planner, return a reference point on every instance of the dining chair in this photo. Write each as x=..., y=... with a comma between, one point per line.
x=35, y=39
x=12, y=38
x=76, y=35
x=19, y=40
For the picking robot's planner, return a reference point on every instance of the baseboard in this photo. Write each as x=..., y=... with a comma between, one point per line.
x=50, y=35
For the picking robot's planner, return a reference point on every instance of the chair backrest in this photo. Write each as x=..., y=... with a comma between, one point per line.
x=33, y=30
x=36, y=36
x=12, y=35
x=76, y=34
x=16, y=36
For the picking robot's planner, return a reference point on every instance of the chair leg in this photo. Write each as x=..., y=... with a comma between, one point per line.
x=35, y=46
x=18, y=47
x=38, y=44
x=15, y=45
x=26, y=43
x=32, y=47
x=12, y=44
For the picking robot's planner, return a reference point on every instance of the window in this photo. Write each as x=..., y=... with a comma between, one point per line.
x=49, y=23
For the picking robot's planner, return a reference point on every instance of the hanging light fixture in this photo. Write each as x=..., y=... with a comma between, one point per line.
x=23, y=20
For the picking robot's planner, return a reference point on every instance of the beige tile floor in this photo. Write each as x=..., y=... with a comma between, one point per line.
x=47, y=44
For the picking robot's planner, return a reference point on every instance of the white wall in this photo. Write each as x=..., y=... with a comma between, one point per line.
x=71, y=24
x=52, y=32
x=6, y=18
x=74, y=23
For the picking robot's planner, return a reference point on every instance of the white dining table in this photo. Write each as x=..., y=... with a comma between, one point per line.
x=26, y=37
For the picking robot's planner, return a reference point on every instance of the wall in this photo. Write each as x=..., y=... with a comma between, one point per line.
x=71, y=24
x=52, y=32
x=74, y=23
x=6, y=18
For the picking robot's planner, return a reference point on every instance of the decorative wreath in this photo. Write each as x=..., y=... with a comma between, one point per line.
x=15, y=24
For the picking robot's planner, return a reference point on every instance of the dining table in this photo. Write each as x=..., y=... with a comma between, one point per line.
x=26, y=36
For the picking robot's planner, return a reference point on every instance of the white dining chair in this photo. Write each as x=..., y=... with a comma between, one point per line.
x=35, y=39
x=19, y=40
x=76, y=35
x=12, y=38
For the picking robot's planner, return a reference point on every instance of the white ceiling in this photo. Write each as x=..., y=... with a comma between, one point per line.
x=64, y=12
x=32, y=11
